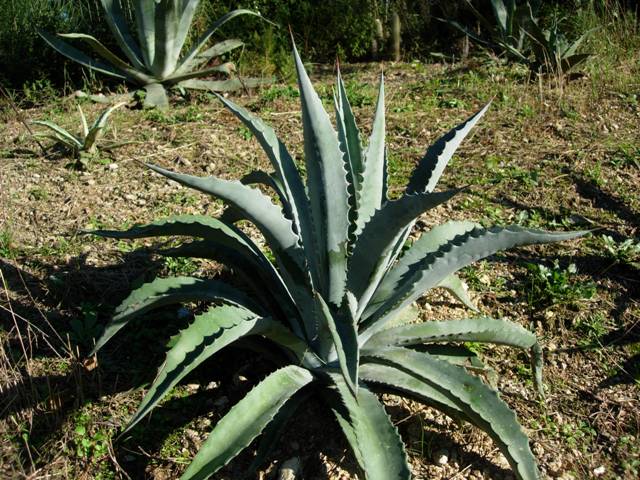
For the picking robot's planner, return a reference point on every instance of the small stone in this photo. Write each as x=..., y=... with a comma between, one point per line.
x=112, y=166
x=129, y=197
x=441, y=457
x=141, y=202
x=599, y=471
x=91, y=182
x=290, y=469
x=192, y=387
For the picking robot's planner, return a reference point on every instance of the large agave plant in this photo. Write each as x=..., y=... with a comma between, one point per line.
x=154, y=61
x=337, y=300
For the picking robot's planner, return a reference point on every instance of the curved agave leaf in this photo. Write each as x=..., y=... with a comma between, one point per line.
x=457, y=288
x=292, y=186
x=275, y=428
x=211, y=331
x=482, y=329
x=229, y=85
x=133, y=74
x=168, y=291
x=226, y=68
x=376, y=242
x=429, y=170
x=479, y=402
x=80, y=57
x=217, y=50
x=406, y=383
x=119, y=28
x=373, y=438
x=204, y=38
x=97, y=129
x=246, y=420
x=326, y=184
x=199, y=226
x=428, y=242
x=63, y=135
x=373, y=189
x=146, y=29
x=459, y=252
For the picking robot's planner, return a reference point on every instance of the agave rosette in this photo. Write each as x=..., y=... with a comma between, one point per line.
x=154, y=61
x=337, y=298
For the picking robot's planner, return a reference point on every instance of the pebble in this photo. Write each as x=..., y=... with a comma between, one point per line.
x=599, y=471
x=290, y=469
x=441, y=457
x=112, y=166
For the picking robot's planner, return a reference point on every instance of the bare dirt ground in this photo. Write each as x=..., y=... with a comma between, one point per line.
x=546, y=155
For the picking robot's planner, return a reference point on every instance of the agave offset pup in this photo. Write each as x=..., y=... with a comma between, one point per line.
x=337, y=300
x=87, y=141
x=154, y=61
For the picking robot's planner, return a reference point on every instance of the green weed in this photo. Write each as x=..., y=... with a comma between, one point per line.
x=556, y=285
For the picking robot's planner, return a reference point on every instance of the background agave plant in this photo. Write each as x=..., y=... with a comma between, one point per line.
x=87, y=141
x=337, y=300
x=155, y=62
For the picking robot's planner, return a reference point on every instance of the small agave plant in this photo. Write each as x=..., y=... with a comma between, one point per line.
x=87, y=141
x=154, y=61
x=337, y=299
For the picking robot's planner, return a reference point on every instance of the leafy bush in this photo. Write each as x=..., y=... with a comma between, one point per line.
x=338, y=301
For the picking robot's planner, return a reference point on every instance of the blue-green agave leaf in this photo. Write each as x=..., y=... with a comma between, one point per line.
x=246, y=420
x=478, y=401
x=429, y=170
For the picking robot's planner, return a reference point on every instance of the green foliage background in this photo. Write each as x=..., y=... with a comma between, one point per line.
x=322, y=29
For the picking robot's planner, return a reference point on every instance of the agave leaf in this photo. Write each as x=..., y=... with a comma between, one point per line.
x=459, y=252
x=349, y=433
x=348, y=133
x=204, y=38
x=226, y=68
x=133, y=74
x=428, y=242
x=374, y=438
x=292, y=185
x=146, y=29
x=204, y=57
x=374, y=246
x=482, y=329
x=345, y=341
x=268, y=217
x=246, y=420
x=229, y=85
x=261, y=276
x=211, y=331
x=326, y=184
x=167, y=291
x=457, y=288
x=69, y=139
x=408, y=384
x=429, y=170
x=97, y=129
x=83, y=122
x=256, y=206
x=120, y=29
x=373, y=191
x=172, y=22
x=474, y=398
x=275, y=428
x=80, y=57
